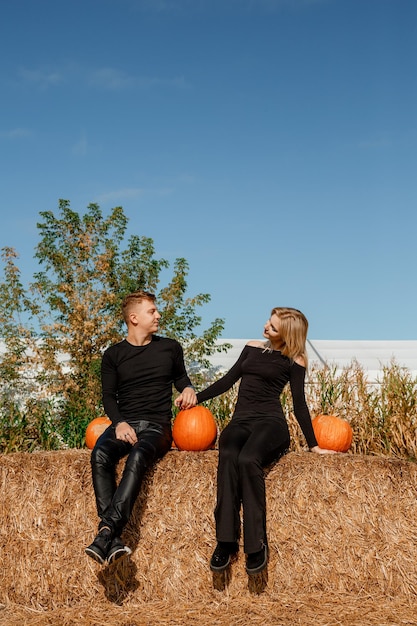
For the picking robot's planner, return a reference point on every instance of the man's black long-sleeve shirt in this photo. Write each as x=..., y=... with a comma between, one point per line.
x=137, y=380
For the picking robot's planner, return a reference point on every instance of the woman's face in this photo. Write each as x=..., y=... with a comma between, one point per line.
x=271, y=328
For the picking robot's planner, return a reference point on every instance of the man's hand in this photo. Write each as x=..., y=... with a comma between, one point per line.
x=125, y=432
x=187, y=399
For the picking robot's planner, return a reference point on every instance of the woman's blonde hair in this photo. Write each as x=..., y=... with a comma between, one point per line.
x=293, y=332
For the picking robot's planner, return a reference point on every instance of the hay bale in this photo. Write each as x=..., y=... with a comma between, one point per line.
x=342, y=536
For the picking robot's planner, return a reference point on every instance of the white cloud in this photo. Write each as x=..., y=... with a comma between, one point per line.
x=110, y=78
x=185, y=7
x=41, y=78
x=80, y=148
x=114, y=79
x=120, y=194
x=127, y=193
x=380, y=141
x=16, y=133
x=147, y=82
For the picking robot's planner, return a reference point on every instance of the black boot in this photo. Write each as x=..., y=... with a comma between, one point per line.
x=100, y=547
x=256, y=561
x=222, y=555
x=117, y=550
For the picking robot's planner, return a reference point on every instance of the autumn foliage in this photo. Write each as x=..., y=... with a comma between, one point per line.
x=57, y=328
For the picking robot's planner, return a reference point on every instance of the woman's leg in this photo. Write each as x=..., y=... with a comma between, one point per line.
x=227, y=511
x=268, y=441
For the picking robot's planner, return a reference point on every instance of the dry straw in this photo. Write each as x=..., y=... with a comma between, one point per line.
x=342, y=536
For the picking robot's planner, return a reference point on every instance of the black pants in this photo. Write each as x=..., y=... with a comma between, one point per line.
x=115, y=502
x=246, y=446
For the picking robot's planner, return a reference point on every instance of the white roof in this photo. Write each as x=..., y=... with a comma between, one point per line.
x=370, y=355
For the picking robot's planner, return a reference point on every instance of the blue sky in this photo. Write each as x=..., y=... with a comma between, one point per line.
x=271, y=143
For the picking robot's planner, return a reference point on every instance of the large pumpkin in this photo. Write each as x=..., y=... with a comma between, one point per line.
x=95, y=428
x=194, y=429
x=332, y=432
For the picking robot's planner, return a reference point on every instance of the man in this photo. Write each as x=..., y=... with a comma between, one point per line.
x=137, y=376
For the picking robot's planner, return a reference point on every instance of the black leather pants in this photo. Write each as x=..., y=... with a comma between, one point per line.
x=115, y=502
x=246, y=446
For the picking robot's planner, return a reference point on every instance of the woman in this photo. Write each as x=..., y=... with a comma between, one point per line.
x=258, y=433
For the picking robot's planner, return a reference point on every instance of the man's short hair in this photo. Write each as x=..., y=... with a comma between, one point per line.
x=135, y=298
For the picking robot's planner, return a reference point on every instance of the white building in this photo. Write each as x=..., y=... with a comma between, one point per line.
x=370, y=355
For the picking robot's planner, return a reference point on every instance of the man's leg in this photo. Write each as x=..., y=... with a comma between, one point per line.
x=104, y=458
x=106, y=454
x=154, y=441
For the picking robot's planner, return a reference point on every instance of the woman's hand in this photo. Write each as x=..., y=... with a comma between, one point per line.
x=319, y=450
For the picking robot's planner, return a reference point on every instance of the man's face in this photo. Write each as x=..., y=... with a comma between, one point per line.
x=145, y=317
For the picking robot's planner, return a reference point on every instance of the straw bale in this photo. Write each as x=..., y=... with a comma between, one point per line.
x=284, y=610
x=342, y=538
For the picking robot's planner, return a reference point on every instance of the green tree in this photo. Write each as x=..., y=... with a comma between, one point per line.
x=16, y=367
x=15, y=334
x=84, y=276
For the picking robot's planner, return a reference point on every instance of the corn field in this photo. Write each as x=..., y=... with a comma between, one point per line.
x=383, y=414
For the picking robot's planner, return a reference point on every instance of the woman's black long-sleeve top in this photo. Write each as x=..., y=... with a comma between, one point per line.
x=263, y=374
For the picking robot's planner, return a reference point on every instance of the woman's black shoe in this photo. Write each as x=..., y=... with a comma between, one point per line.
x=256, y=561
x=222, y=555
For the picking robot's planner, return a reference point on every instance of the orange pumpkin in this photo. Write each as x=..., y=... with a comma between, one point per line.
x=95, y=428
x=333, y=433
x=194, y=429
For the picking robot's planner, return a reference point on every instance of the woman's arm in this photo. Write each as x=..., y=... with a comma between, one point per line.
x=302, y=414
x=301, y=411
x=225, y=382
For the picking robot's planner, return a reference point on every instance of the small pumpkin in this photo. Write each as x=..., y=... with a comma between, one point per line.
x=96, y=427
x=194, y=429
x=333, y=432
